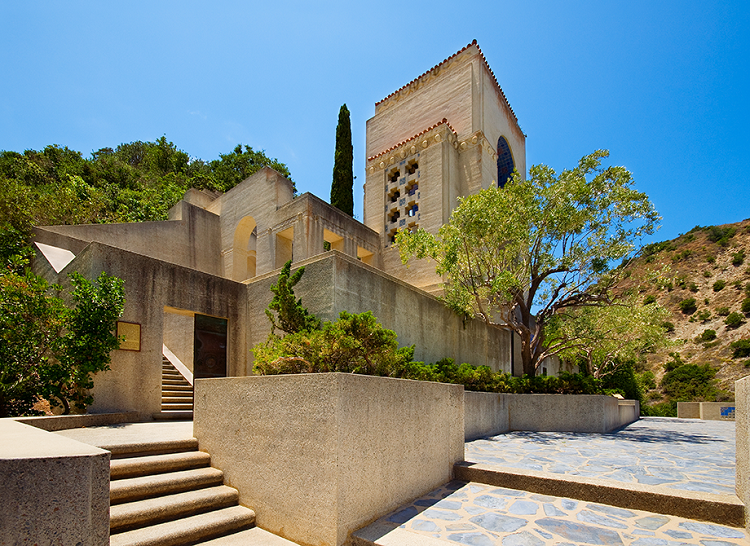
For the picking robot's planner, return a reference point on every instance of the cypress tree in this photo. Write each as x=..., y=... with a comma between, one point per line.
x=342, y=196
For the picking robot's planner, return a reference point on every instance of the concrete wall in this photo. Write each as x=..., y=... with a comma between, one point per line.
x=566, y=413
x=334, y=282
x=708, y=411
x=353, y=447
x=190, y=238
x=742, y=432
x=134, y=381
x=179, y=335
x=485, y=414
x=489, y=414
x=54, y=490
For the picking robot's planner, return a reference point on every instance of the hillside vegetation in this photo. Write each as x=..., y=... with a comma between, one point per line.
x=703, y=279
x=134, y=182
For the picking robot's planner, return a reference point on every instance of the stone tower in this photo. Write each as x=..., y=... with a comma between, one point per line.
x=448, y=133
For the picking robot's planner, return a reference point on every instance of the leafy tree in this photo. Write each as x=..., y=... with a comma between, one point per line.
x=690, y=382
x=343, y=176
x=603, y=338
x=236, y=166
x=48, y=350
x=291, y=315
x=542, y=244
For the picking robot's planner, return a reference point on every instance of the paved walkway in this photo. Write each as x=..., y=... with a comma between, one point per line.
x=131, y=433
x=481, y=515
x=685, y=454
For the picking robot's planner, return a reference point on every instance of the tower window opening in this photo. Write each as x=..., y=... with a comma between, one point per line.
x=412, y=188
x=395, y=195
x=412, y=168
x=395, y=216
x=395, y=176
x=413, y=210
x=505, y=163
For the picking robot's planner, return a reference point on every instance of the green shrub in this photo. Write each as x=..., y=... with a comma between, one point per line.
x=688, y=306
x=722, y=311
x=740, y=348
x=738, y=258
x=664, y=409
x=693, y=287
x=649, y=299
x=681, y=281
x=719, y=285
x=683, y=255
x=711, y=259
x=734, y=320
x=708, y=274
x=703, y=315
x=721, y=235
x=689, y=382
x=705, y=336
x=655, y=248
x=745, y=308
x=675, y=362
x=668, y=326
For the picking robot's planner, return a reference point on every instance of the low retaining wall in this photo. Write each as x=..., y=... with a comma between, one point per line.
x=52, y=423
x=708, y=411
x=488, y=414
x=318, y=456
x=742, y=434
x=485, y=414
x=54, y=490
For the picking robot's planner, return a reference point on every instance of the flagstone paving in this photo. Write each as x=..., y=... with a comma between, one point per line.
x=481, y=515
x=684, y=454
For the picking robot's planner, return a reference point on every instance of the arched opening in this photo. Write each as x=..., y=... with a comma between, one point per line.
x=505, y=164
x=244, y=249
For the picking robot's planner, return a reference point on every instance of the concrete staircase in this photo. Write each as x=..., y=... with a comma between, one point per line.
x=167, y=494
x=176, y=394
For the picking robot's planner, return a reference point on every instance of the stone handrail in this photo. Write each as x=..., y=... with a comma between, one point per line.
x=187, y=374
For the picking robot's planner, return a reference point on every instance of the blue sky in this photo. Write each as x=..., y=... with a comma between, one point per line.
x=662, y=85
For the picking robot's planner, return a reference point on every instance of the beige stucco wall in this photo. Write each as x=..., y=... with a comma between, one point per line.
x=742, y=432
x=334, y=282
x=485, y=414
x=353, y=447
x=54, y=490
x=190, y=238
x=134, y=381
x=179, y=334
x=564, y=412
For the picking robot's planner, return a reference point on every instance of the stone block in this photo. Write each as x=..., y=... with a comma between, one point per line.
x=54, y=490
x=564, y=412
x=742, y=428
x=689, y=410
x=317, y=456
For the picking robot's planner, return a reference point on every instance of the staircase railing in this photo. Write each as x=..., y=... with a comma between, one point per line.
x=177, y=363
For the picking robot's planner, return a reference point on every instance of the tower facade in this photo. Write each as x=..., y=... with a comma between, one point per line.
x=448, y=133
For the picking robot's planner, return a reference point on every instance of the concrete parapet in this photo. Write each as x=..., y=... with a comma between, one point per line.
x=742, y=432
x=318, y=456
x=54, y=490
x=708, y=411
x=485, y=414
x=52, y=423
x=567, y=413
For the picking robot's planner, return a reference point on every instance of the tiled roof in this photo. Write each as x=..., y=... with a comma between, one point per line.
x=473, y=43
x=419, y=134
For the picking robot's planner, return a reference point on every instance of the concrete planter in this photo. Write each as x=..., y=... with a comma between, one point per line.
x=318, y=456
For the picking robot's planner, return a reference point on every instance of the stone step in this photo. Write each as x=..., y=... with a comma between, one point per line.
x=182, y=415
x=188, y=530
x=157, y=464
x=176, y=382
x=178, y=399
x=183, y=386
x=133, y=489
x=157, y=510
x=176, y=406
x=120, y=451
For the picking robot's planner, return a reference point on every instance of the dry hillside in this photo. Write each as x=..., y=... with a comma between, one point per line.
x=712, y=266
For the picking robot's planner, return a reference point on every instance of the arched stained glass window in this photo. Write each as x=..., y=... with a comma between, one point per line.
x=505, y=164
